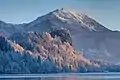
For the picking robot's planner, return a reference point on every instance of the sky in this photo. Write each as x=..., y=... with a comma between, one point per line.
x=106, y=12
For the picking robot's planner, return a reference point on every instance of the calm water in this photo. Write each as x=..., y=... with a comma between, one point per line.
x=72, y=76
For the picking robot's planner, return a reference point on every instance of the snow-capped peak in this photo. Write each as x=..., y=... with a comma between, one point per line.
x=75, y=20
x=65, y=14
x=68, y=11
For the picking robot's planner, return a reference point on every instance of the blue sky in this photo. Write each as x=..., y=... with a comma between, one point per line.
x=106, y=12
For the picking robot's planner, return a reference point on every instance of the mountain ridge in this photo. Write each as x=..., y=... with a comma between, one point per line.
x=72, y=20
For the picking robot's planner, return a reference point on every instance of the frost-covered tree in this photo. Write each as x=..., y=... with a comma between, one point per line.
x=34, y=53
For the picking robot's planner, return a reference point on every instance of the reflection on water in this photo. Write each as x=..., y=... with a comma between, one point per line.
x=87, y=76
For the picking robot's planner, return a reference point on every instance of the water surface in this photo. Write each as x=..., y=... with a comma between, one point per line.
x=64, y=76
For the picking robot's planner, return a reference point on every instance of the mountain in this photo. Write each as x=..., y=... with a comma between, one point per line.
x=63, y=18
x=60, y=18
x=61, y=36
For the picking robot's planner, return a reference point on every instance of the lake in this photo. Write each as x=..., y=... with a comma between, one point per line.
x=63, y=76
